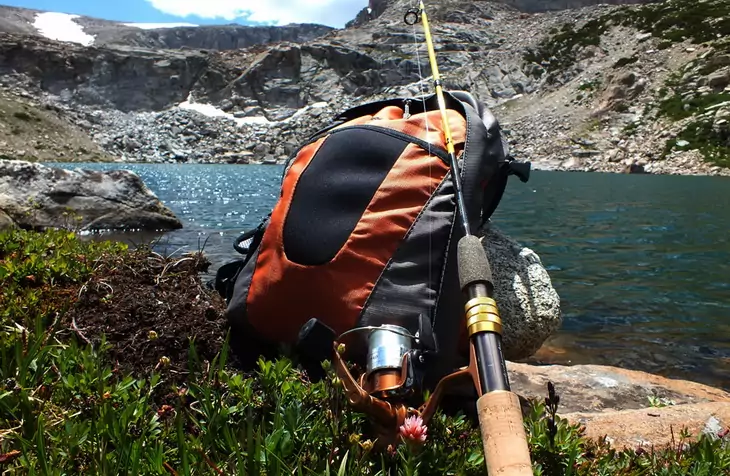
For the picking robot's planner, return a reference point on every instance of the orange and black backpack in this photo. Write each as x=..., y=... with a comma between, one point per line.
x=365, y=232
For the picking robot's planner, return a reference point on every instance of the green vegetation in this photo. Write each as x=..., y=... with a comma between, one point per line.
x=592, y=85
x=672, y=21
x=630, y=128
x=67, y=407
x=678, y=20
x=675, y=108
x=558, y=52
x=699, y=133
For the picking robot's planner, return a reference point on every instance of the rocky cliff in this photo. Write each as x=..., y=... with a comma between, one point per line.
x=223, y=37
x=620, y=88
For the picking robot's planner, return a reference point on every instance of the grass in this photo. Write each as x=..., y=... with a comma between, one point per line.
x=66, y=407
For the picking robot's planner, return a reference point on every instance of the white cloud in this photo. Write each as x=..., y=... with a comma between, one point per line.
x=328, y=12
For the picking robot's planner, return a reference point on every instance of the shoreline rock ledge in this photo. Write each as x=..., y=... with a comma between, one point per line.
x=630, y=408
x=38, y=197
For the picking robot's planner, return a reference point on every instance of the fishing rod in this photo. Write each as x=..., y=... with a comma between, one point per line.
x=392, y=353
x=500, y=414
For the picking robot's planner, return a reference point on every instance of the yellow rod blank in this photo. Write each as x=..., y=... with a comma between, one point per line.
x=437, y=81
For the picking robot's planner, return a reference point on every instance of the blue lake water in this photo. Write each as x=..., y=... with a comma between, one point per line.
x=641, y=262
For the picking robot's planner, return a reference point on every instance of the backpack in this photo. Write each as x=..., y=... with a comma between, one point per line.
x=365, y=229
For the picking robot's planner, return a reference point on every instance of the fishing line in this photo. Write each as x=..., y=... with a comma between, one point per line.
x=423, y=90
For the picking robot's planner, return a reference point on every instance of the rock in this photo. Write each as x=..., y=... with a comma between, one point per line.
x=627, y=79
x=5, y=221
x=657, y=427
x=582, y=153
x=719, y=60
x=719, y=79
x=260, y=80
x=38, y=197
x=615, y=402
x=528, y=303
x=614, y=155
x=572, y=163
x=602, y=388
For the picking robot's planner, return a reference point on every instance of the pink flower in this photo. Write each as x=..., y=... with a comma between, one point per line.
x=414, y=430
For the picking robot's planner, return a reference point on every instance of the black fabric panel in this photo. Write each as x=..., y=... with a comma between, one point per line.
x=236, y=311
x=410, y=284
x=334, y=191
x=450, y=318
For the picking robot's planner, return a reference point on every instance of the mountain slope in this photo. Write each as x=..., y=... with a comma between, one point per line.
x=619, y=88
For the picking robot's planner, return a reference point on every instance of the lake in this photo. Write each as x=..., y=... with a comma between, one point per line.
x=641, y=262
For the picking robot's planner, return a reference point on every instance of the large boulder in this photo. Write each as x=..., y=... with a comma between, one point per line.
x=35, y=196
x=528, y=303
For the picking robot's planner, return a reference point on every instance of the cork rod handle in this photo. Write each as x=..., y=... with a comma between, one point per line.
x=503, y=434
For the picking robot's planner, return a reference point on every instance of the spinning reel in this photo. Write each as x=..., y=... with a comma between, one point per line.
x=390, y=386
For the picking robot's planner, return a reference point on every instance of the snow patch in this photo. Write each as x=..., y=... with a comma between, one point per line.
x=61, y=27
x=212, y=111
x=155, y=26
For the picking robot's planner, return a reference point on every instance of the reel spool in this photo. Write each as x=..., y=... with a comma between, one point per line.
x=389, y=372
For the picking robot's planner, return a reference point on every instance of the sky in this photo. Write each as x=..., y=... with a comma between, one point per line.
x=334, y=13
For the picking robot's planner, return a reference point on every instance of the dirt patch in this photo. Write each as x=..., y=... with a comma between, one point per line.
x=149, y=307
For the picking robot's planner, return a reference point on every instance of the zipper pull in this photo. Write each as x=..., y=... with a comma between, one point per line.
x=407, y=112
